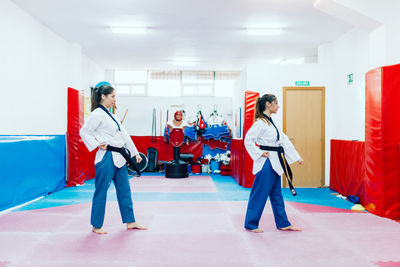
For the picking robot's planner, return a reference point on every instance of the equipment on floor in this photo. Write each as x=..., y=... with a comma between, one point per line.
x=176, y=168
x=152, y=157
x=188, y=158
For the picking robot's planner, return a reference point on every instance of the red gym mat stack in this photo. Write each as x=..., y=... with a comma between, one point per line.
x=250, y=99
x=242, y=164
x=382, y=141
x=80, y=162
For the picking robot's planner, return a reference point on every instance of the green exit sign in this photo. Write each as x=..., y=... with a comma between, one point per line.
x=302, y=83
x=350, y=78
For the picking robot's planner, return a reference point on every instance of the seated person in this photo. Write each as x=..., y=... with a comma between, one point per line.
x=177, y=122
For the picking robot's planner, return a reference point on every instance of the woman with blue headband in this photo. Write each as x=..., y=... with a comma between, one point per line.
x=103, y=130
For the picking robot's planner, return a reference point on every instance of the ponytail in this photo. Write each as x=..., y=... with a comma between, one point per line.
x=96, y=95
x=260, y=106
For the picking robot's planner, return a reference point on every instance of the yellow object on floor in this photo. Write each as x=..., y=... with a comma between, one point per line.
x=358, y=207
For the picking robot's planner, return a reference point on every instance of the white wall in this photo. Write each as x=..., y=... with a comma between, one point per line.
x=92, y=74
x=238, y=101
x=139, y=118
x=393, y=41
x=36, y=68
x=272, y=78
x=386, y=38
x=349, y=54
x=355, y=52
x=344, y=104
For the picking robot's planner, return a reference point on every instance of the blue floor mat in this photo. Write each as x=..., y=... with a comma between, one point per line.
x=227, y=190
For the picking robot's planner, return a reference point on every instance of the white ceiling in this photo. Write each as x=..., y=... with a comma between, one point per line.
x=209, y=32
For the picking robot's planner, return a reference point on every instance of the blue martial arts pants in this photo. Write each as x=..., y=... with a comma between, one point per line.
x=266, y=183
x=105, y=172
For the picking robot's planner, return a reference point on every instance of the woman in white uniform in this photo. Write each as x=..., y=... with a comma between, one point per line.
x=268, y=166
x=100, y=130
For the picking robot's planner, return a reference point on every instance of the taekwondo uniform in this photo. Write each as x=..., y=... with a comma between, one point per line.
x=183, y=124
x=104, y=127
x=267, y=172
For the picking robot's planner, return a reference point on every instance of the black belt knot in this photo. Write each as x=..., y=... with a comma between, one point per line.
x=285, y=165
x=126, y=154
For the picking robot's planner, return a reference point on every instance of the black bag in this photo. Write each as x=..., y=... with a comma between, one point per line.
x=152, y=157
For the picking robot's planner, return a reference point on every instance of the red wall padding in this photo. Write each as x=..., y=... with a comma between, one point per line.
x=250, y=99
x=236, y=159
x=382, y=141
x=347, y=173
x=80, y=162
x=165, y=150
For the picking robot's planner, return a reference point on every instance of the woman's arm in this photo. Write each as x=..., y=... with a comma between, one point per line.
x=250, y=141
x=86, y=132
x=291, y=154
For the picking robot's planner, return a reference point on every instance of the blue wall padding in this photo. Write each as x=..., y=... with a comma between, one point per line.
x=30, y=167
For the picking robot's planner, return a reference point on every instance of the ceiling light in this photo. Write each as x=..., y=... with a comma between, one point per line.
x=263, y=31
x=129, y=30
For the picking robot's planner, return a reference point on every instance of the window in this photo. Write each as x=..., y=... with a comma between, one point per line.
x=131, y=89
x=175, y=83
x=123, y=89
x=197, y=90
x=164, y=83
x=224, y=81
x=197, y=83
x=130, y=76
x=131, y=82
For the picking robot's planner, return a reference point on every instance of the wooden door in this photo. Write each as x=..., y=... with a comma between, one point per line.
x=304, y=124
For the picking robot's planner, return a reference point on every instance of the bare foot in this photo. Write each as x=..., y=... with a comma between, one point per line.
x=258, y=230
x=131, y=226
x=99, y=231
x=289, y=228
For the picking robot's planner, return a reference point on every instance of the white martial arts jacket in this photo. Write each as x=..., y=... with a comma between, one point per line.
x=100, y=128
x=184, y=124
x=265, y=135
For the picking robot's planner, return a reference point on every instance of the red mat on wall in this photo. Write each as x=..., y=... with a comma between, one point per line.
x=80, y=162
x=382, y=141
x=250, y=99
x=347, y=170
x=236, y=159
x=165, y=150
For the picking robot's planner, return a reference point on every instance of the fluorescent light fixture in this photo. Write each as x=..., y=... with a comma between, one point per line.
x=263, y=31
x=316, y=3
x=130, y=30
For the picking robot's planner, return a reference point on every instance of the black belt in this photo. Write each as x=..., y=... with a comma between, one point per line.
x=126, y=154
x=284, y=164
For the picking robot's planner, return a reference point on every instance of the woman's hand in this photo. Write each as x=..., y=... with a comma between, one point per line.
x=300, y=161
x=138, y=158
x=103, y=146
x=265, y=154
